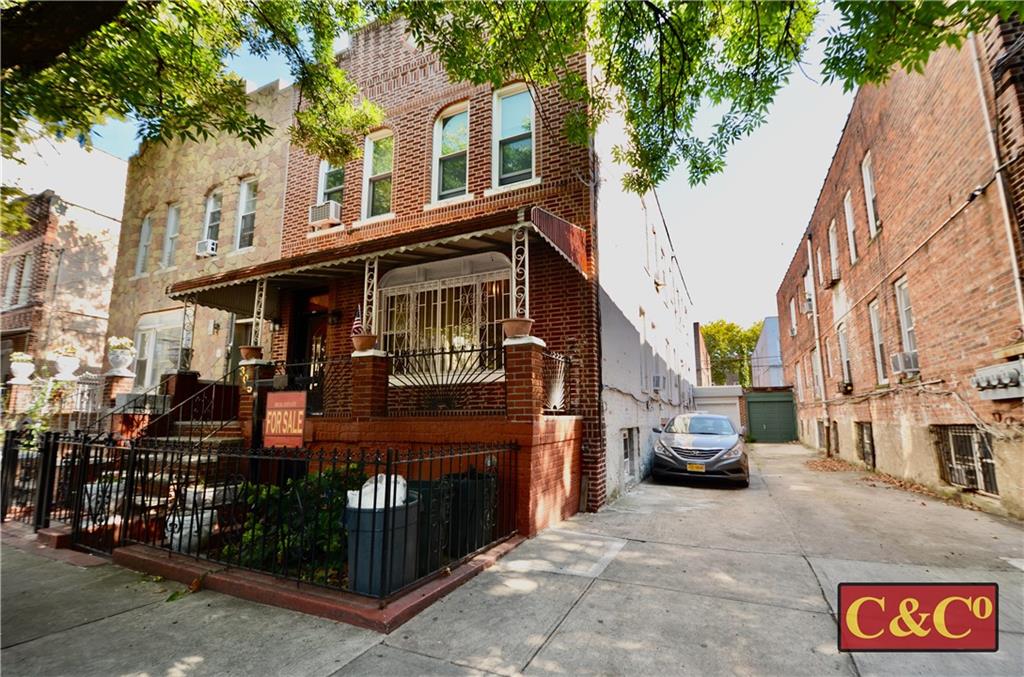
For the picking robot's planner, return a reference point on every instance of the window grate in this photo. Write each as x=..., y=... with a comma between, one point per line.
x=965, y=457
x=866, y=444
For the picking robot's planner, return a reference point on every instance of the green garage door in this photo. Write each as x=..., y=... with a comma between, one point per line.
x=771, y=416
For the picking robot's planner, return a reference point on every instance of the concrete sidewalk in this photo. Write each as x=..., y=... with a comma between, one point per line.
x=668, y=580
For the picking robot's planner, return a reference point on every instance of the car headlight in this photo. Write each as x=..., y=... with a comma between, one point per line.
x=735, y=452
x=662, y=449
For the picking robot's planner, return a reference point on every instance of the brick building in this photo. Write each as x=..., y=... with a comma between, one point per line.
x=468, y=207
x=903, y=299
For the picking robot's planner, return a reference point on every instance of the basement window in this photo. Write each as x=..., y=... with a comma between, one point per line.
x=965, y=457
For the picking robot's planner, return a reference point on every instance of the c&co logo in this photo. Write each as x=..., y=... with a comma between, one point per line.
x=918, y=617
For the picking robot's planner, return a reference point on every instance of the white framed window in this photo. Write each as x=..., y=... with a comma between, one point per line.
x=451, y=157
x=816, y=369
x=833, y=250
x=11, y=285
x=157, y=346
x=145, y=235
x=792, y=316
x=906, y=314
x=171, y=231
x=211, y=219
x=246, y=226
x=844, y=353
x=512, y=149
x=377, y=177
x=25, y=288
x=821, y=271
x=878, y=342
x=331, y=184
x=850, y=235
x=828, y=359
x=870, y=198
x=799, y=381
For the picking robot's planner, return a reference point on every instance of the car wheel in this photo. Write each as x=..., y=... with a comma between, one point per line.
x=744, y=483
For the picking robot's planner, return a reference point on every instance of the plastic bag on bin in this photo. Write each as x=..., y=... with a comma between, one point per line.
x=371, y=496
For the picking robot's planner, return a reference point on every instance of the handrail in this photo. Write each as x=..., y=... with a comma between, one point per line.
x=102, y=425
x=209, y=405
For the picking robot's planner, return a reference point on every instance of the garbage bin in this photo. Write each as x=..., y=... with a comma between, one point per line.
x=368, y=541
x=435, y=504
x=474, y=512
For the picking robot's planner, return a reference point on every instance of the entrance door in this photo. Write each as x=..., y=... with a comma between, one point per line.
x=771, y=416
x=308, y=349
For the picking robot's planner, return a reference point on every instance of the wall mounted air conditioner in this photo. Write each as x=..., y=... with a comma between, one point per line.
x=806, y=306
x=658, y=383
x=324, y=215
x=844, y=387
x=904, y=363
x=206, y=248
x=792, y=330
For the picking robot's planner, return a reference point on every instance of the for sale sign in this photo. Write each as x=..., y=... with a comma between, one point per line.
x=285, y=419
x=918, y=617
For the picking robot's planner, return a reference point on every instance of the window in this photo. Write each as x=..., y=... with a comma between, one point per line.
x=629, y=450
x=157, y=346
x=211, y=222
x=850, y=237
x=821, y=271
x=865, y=443
x=453, y=304
x=451, y=141
x=965, y=452
x=513, y=135
x=171, y=235
x=906, y=315
x=828, y=359
x=377, y=164
x=799, y=382
x=11, y=285
x=877, y=341
x=870, y=199
x=844, y=354
x=792, y=316
x=247, y=213
x=25, y=288
x=816, y=369
x=833, y=250
x=143, y=254
x=332, y=182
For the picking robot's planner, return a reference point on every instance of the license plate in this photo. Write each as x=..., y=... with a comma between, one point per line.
x=695, y=467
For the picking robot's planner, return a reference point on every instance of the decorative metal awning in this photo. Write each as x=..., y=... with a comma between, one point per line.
x=235, y=290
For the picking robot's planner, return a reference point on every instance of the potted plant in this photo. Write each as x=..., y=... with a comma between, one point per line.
x=515, y=327
x=120, y=353
x=361, y=339
x=68, y=362
x=22, y=367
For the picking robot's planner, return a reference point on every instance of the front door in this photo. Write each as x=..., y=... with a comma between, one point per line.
x=308, y=349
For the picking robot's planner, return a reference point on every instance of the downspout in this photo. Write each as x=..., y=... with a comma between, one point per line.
x=1000, y=177
x=818, y=368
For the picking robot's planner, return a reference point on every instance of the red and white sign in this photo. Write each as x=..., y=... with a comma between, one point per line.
x=285, y=419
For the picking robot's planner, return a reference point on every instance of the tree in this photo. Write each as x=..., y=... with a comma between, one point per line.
x=658, y=64
x=729, y=347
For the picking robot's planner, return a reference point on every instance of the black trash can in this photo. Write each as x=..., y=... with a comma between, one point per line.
x=435, y=504
x=474, y=512
x=368, y=541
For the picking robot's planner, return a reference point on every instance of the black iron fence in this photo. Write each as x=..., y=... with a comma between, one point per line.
x=304, y=515
x=37, y=478
x=324, y=382
x=447, y=382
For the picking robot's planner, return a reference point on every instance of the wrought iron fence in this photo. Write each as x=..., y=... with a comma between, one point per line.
x=558, y=385
x=324, y=382
x=447, y=382
x=36, y=479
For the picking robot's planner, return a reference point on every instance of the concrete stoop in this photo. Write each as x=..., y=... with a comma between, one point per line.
x=364, y=612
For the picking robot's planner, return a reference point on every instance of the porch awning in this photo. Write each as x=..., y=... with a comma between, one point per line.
x=234, y=290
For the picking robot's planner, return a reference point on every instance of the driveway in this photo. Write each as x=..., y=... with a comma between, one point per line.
x=670, y=579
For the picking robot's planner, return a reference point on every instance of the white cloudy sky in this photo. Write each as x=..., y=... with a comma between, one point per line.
x=734, y=235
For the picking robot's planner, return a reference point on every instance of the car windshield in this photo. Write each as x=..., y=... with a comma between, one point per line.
x=700, y=425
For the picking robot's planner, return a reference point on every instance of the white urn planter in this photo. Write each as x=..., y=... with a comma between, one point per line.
x=119, y=362
x=22, y=373
x=191, y=531
x=66, y=368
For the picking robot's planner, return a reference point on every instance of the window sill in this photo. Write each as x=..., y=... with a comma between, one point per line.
x=448, y=202
x=243, y=250
x=161, y=271
x=500, y=190
x=323, y=232
x=373, y=219
x=138, y=276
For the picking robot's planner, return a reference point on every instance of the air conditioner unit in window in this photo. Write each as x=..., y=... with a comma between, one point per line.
x=659, y=383
x=792, y=331
x=806, y=306
x=206, y=248
x=324, y=215
x=844, y=387
x=904, y=363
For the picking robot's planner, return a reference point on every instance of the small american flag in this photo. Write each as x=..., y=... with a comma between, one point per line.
x=357, y=322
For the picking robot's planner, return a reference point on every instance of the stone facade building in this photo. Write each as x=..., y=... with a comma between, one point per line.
x=903, y=301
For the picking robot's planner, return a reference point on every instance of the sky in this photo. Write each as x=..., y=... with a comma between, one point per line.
x=734, y=235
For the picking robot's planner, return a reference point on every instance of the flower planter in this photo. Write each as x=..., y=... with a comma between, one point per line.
x=515, y=327
x=251, y=352
x=191, y=531
x=22, y=373
x=210, y=496
x=66, y=368
x=119, y=362
x=364, y=341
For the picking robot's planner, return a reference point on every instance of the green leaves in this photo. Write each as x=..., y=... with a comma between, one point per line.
x=729, y=347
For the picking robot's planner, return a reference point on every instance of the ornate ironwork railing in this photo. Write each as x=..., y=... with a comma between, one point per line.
x=325, y=382
x=558, y=384
x=201, y=415
x=447, y=382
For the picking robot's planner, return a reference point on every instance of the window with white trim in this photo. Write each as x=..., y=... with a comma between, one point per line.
x=821, y=271
x=145, y=234
x=247, y=193
x=211, y=220
x=11, y=284
x=157, y=346
x=451, y=145
x=870, y=198
x=878, y=342
x=331, y=184
x=171, y=231
x=25, y=288
x=833, y=250
x=512, y=151
x=377, y=179
x=828, y=358
x=816, y=370
x=792, y=316
x=850, y=235
x=844, y=353
x=906, y=315
x=445, y=305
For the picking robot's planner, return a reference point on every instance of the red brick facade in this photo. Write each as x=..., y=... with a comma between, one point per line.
x=929, y=150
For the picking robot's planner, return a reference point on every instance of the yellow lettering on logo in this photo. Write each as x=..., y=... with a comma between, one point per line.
x=853, y=621
x=909, y=625
x=939, y=616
